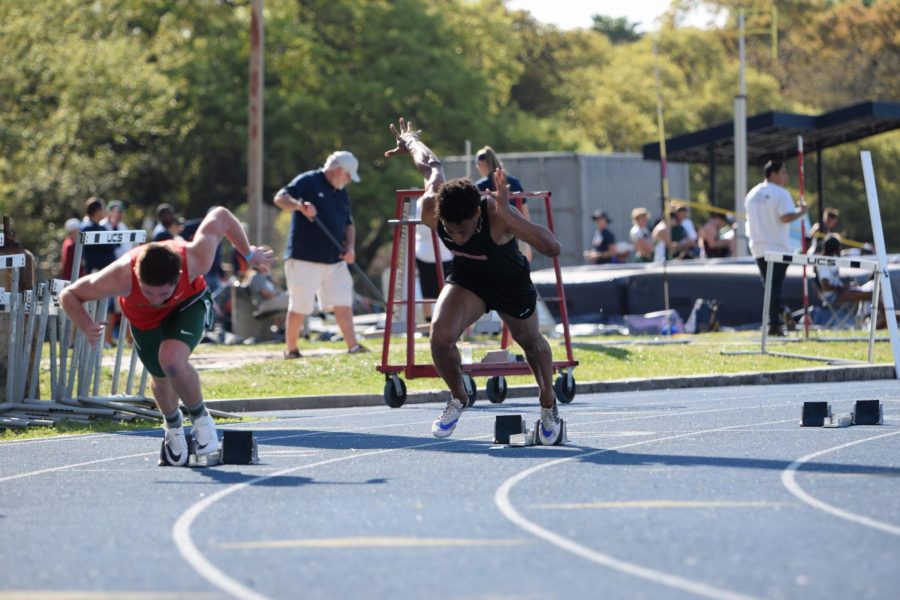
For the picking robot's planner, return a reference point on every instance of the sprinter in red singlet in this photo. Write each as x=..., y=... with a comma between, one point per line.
x=163, y=294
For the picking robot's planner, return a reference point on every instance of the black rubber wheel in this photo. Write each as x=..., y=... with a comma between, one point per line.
x=496, y=389
x=564, y=387
x=394, y=392
x=471, y=389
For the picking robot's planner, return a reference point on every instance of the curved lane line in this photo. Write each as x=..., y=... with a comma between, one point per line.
x=501, y=499
x=788, y=478
x=181, y=530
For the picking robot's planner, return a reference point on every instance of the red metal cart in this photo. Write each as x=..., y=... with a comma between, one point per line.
x=496, y=389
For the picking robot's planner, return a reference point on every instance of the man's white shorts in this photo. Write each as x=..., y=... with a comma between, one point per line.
x=332, y=283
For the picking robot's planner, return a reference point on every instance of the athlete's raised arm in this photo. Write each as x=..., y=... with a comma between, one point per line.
x=426, y=162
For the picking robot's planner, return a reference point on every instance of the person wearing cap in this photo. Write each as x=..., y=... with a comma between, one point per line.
x=640, y=235
x=684, y=234
x=67, y=252
x=167, y=225
x=113, y=222
x=314, y=265
x=603, y=246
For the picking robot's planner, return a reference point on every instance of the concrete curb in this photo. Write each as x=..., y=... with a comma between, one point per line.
x=812, y=375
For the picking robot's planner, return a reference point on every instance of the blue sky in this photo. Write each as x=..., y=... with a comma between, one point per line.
x=569, y=14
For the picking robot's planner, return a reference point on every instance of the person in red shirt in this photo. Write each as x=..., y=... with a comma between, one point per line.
x=163, y=294
x=67, y=252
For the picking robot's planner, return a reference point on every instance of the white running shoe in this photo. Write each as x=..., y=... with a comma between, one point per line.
x=444, y=425
x=206, y=440
x=550, y=428
x=175, y=447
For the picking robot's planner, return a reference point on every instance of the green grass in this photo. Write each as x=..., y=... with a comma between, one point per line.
x=607, y=358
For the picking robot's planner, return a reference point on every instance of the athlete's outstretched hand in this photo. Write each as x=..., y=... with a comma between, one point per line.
x=263, y=258
x=404, y=134
x=502, y=193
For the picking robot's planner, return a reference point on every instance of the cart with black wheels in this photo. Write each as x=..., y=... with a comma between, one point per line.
x=401, y=306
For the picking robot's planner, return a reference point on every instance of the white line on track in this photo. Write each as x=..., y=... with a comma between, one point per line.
x=501, y=499
x=788, y=478
x=181, y=530
x=72, y=466
x=182, y=535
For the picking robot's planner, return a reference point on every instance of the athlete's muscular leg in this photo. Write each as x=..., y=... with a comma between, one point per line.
x=182, y=376
x=166, y=398
x=537, y=352
x=456, y=309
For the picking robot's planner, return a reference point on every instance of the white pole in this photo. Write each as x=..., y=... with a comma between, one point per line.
x=740, y=147
x=255, y=125
x=881, y=253
x=468, y=158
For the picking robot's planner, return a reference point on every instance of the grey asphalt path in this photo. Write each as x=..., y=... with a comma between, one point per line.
x=715, y=493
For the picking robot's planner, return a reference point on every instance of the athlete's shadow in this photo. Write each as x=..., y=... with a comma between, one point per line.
x=226, y=475
x=630, y=459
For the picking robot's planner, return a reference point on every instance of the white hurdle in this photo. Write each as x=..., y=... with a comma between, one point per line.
x=805, y=260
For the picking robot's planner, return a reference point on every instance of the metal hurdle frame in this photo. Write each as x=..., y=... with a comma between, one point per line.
x=805, y=260
x=404, y=241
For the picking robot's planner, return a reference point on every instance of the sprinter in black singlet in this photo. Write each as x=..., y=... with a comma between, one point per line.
x=489, y=273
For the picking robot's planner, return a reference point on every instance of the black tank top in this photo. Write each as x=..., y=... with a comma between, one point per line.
x=481, y=257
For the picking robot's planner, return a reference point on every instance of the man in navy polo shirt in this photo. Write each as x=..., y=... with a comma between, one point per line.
x=313, y=265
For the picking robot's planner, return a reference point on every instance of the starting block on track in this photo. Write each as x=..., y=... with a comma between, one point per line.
x=236, y=448
x=868, y=412
x=512, y=430
x=818, y=414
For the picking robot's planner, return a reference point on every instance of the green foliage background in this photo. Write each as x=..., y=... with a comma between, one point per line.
x=146, y=100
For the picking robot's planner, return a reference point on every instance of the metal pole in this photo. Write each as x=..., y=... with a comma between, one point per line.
x=255, y=125
x=740, y=147
x=881, y=253
x=766, y=302
x=801, y=175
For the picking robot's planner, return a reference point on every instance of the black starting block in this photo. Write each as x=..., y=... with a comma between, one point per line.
x=236, y=448
x=507, y=425
x=815, y=414
x=868, y=412
x=239, y=448
x=513, y=431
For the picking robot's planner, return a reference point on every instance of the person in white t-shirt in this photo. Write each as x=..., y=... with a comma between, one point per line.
x=770, y=209
x=425, y=265
x=640, y=235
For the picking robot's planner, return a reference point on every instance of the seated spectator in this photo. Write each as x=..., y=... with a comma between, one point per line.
x=683, y=234
x=712, y=242
x=816, y=234
x=640, y=236
x=603, y=246
x=835, y=290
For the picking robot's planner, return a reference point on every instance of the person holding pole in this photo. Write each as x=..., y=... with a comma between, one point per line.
x=320, y=246
x=162, y=293
x=489, y=273
x=770, y=209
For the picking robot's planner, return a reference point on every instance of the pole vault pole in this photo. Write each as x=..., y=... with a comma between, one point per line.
x=664, y=179
x=801, y=177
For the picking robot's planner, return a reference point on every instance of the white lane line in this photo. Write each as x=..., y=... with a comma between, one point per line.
x=371, y=542
x=788, y=478
x=73, y=466
x=501, y=499
x=644, y=504
x=181, y=530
